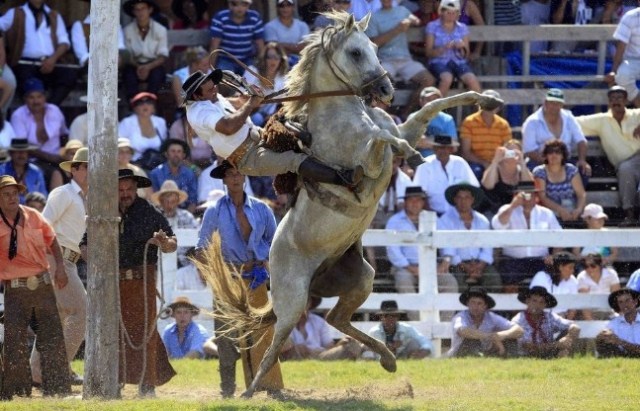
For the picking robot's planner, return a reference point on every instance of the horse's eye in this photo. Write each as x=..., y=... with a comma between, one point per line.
x=356, y=53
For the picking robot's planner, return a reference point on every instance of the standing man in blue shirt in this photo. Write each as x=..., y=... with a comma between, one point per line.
x=176, y=151
x=184, y=338
x=246, y=226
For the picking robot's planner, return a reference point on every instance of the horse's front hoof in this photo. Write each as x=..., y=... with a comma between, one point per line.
x=247, y=394
x=415, y=160
x=389, y=363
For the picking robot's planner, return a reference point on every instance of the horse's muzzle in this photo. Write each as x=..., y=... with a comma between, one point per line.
x=380, y=88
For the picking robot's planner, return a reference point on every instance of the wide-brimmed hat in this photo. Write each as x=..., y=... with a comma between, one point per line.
x=129, y=4
x=527, y=187
x=429, y=91
x=476, y=192
x=125, y=173
x=21, y=144
x=170, y=141
x=6, y=181
x=142, y=96
x=450, y=5
x=81, y=156
x=477, y=292
x=124, y=142
x=549, y=299
x=72, y=144
x=594, y=211
x=414, y=191
x=491, y=106
x=389, y=307
x=443, y=140
x=169, y=186
x=182, y=301
x=555, y=94
x=196, y=79
x=613, y=297
x=220, y=171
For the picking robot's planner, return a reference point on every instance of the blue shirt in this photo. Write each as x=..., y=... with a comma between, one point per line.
x=451, y=220
x=222, y=218
x=442, y=124
x=33, y=178
x=634, y=281
x=384, y=20
x=194, y=338
x=237, y=39
x=402, y=255
x=442, y=37
x=186, y=181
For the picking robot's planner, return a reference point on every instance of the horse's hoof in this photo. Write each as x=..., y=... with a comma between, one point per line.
x=415, y=160
x=276, y=394
x=389, y=364
x=247, y=394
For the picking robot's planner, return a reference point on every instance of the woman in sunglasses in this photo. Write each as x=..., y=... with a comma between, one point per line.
x=597, y=279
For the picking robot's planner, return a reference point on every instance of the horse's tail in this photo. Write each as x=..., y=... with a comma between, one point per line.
x=231, y=296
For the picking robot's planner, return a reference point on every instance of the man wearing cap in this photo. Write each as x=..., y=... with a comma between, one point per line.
x=441, y=170
x=470, y=265
x=523, y=213
x=25, y=240
x=176, y=151
x=402, y=339
x=624, y=69
x=286, y=30
x=442, y=124
x=477, y=331
x=619, y=132
x=481, y=133
x=185, y=338
x=621, y=337
x=246, y=226
x=24, y=172
x=141, y=223
x=541, y=325
x=550, y=122
x=146, y=42
x=66, y=212
x=233, y=136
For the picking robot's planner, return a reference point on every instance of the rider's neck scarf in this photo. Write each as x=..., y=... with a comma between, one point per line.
x=537, y=335
x=13, y=239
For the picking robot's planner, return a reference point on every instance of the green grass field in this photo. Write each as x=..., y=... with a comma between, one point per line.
x=582, y=383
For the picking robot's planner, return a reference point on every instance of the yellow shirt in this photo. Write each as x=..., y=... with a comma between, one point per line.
x=485, y=139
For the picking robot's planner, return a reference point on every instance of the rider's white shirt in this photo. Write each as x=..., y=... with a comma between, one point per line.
x=203, y=117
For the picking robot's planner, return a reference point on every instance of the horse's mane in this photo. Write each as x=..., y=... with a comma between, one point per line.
x=298, y=78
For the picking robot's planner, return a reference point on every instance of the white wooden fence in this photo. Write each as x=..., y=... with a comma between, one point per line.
x=427, y=300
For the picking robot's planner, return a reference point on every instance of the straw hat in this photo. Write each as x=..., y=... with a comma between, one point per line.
x=81, y=156
x=169, y=186
x=71, y=145
x=7, y=181
x=184, y=302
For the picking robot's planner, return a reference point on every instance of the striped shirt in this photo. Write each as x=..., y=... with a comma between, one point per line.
x=485, y=139
x=506, y=13
x=237, y=39
x=628, y=32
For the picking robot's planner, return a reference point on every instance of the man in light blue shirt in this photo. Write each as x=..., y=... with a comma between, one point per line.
x=185, y=338
x=176, y=151
x=442, y=124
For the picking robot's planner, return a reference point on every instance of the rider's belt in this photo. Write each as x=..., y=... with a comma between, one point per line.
x=137, y=273
x=32, y=283
x=237, y=155
x=70, y=255
x=248, y=266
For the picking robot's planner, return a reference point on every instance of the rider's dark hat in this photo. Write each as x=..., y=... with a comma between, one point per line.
x=220, y=171
x=196, y=79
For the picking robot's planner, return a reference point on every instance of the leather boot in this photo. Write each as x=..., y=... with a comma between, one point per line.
x=316, y=171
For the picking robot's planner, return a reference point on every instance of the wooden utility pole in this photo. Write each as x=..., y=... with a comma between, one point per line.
x=101, y=353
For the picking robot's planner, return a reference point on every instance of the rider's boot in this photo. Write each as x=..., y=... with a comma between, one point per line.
x=314, y=170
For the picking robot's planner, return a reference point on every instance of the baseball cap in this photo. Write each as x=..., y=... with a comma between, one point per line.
x=555, y=94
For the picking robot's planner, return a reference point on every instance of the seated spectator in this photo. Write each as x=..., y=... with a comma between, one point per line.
x=197, y=59
x=80, y=32
x=24, y=172
x=59, y=176
x=507, y=170
x=8, y=81
x=144, y=130
x=146, y=43
x=535, y=13
x=540, y=326
x=176, y=151
x=35, y=200
x=441, y=170
x=618, y=130
x=518, y=264
x=470, y=266
x=402, y=339
x=447, y=47
x=311, y=339
x=506, y=13
x=321, y=21
x=595, y=217
x=37, y=38
x=360, y=8
x=273, y=66
x=190, y=14
x=442, y=124
x=184, y=338
x=477, y=331
x=238, y=31
x=578, y=12
x=471, y=15
x=201, y=151
x=634, y=281
x=392, y=201
x=311, y=10
x=597, y=279
x=623, y=69
x=551, y=122
x=125, y=153
x=615, y=9
x=621, y=337
x=561, y=188
x=286, y=30
x=559, y=278
x=6, y=132
x=388, y=30
x=481, y=133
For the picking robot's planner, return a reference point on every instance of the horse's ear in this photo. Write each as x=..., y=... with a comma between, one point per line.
x=349, y=24
x=364, y=23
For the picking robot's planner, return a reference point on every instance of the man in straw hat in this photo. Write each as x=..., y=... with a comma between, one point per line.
x=523, y=213
x=233, y=136
x=477, y=331
x=25, y=240
x=246, y=226
x=24, y=172
x=141, y=223
x=442, y=169
x=621, y=337
x=176, y=152
x=184, y=338
x=66, y=212
x=540, y=326
x=470, y=265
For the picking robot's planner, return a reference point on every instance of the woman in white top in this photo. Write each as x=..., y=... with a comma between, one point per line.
x=560, y=279
x=144, y=130
x=597, y=279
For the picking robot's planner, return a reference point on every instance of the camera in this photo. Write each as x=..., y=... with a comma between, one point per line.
x=526, y=196
x=510, y=153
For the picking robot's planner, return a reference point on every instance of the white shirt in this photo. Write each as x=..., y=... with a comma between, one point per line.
x=434, y=180
x=608, y=278
x=543, y=279
x=391, y=196
x=187, y=278
x=491, y=322
x=451, y=221
x=129, y=128
x=628, y=32
x=65, y=211
x=535, y=132
x=541, y=218
x=625, y=331
x=318, y=333
x=37, y=43
x=277, y=32
x=203, y=117
x=155, y=44
x=6, y=135
x=79, y=129
x=79, y=41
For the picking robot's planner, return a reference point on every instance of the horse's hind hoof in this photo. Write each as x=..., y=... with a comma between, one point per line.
x=247, y=394
x=415, y=160
x=389, y=364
